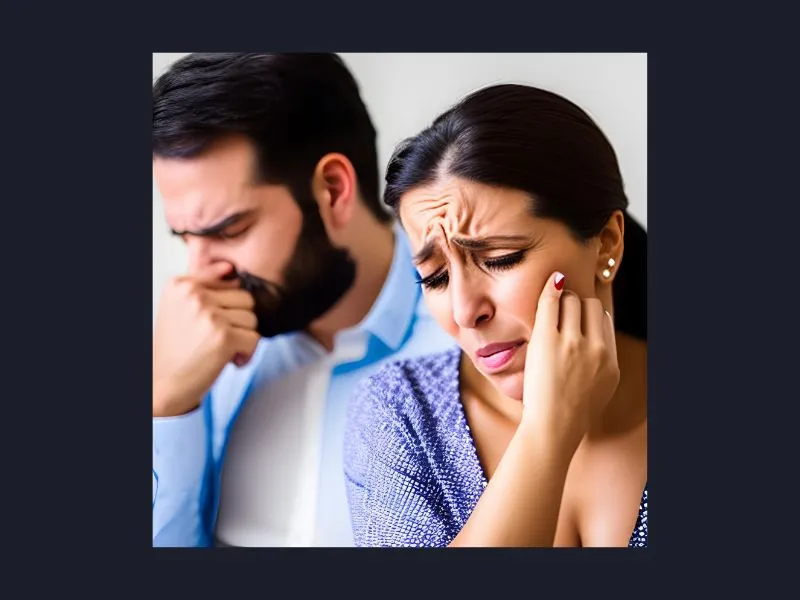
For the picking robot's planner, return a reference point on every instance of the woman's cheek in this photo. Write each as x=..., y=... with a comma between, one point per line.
x=439, y=307
x=520, y=296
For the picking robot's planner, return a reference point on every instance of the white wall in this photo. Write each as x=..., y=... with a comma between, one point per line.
x=404, y=92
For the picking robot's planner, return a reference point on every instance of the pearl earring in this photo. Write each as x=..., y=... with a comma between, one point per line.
x=607, y=272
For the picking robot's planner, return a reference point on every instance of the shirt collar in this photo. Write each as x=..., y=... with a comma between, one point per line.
x=393, y=311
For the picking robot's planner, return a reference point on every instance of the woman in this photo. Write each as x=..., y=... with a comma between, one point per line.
x=533, y=431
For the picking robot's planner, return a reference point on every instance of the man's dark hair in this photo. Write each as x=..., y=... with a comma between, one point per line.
x=294, y=108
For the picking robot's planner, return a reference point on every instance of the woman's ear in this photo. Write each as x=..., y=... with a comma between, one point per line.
x=612, y=245
x=334, y=185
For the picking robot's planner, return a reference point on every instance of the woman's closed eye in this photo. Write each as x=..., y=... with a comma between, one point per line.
x=506, y=261
x=435, y=281
x=440, y=278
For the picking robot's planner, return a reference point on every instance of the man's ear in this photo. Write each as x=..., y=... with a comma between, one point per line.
x=334, y=185
x=612, y=246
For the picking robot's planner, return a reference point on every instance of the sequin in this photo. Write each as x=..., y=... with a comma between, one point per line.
x=411, y=469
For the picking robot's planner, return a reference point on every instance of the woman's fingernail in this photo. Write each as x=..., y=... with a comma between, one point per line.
x=559, y=281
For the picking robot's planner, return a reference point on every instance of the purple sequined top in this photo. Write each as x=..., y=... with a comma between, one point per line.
x=412, y=472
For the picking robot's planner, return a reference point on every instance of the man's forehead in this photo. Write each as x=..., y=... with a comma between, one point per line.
x=208, y=207
x=206, y=187
x=203, y=209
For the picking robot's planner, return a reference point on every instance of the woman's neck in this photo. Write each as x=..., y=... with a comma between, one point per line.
x=627, y=409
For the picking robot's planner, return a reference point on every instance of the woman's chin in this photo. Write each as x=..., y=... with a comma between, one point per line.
x=509, y=385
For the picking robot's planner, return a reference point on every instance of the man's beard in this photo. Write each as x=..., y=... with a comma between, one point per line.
x=317, y=276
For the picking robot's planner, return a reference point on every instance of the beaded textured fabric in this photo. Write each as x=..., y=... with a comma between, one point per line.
x=412, y=472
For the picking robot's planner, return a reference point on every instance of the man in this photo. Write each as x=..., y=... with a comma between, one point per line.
x=298, y=286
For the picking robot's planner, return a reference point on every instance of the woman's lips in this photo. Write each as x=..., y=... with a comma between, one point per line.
x=495, y=356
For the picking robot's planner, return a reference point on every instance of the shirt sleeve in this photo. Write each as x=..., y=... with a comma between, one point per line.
x=393, y=494
x=180, y=461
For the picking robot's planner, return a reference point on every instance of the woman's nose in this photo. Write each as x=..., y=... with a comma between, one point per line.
x=472, y=305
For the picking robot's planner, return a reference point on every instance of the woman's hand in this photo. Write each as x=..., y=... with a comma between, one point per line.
x=571, y=369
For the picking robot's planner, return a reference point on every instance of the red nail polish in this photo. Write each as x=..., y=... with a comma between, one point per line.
x=559, y=281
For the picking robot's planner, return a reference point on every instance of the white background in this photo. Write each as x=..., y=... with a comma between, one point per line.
x=405, y=92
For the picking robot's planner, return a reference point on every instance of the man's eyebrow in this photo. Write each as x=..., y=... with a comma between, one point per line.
x=218, y=227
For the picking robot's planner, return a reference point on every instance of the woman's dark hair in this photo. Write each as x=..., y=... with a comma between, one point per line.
x=295, y=108
x=525, y=138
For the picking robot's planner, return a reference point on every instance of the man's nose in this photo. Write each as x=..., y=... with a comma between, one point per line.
x=200, y=255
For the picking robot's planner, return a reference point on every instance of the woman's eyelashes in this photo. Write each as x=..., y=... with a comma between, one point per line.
x=435, y=281
x=441, y=278
x=507, y=261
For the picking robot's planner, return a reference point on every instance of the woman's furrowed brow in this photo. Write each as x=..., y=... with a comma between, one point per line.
x=474, y=244
x=425, y=252
x=489, y=242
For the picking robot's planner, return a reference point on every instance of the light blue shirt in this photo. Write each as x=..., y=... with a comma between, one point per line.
x=189, y=450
